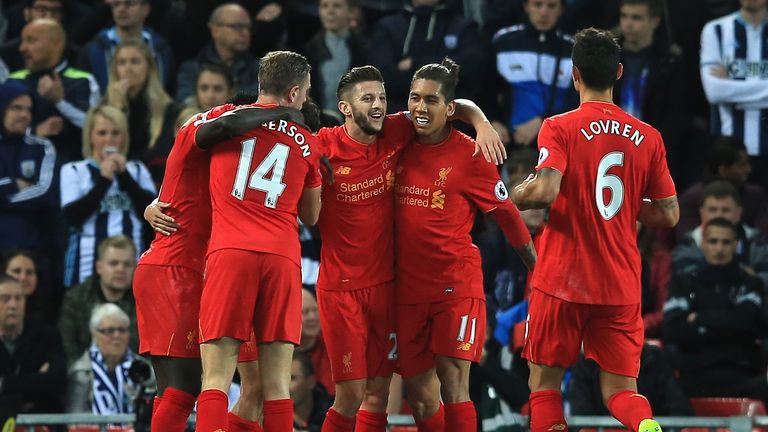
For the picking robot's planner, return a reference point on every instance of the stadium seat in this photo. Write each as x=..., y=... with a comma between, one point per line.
x=403, y=429
x=726, y=407
x=32, y=429
x=83, y=428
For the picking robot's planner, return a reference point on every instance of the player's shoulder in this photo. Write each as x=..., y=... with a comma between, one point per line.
x=398, y=119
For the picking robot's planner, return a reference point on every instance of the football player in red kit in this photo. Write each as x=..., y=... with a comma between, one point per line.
x=601, y=170
x=441, y=318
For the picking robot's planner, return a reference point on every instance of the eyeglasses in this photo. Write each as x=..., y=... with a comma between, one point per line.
x=238, y=27
x=126, y=3
x=109, y=331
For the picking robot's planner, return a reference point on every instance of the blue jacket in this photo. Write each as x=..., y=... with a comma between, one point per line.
x=536, y=68
x=24, y=214
x=96, y=56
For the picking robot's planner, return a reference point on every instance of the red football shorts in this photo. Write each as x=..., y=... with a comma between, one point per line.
x=246, y=289
x=359, y=331
x=167, y=305
x=453, y=328
x=612, y=335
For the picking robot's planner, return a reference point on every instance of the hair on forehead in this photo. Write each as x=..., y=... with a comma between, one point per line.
x=355, y=76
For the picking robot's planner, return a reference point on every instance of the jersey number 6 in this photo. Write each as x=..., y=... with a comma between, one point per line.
x=275, y=162
x=611, y=182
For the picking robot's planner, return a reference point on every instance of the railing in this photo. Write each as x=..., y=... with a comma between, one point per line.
x=735, y=424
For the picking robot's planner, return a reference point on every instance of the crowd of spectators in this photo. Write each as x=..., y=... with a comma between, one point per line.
x=93, y=91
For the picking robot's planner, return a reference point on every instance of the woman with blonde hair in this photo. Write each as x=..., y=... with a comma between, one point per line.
x=135, y=88
x=104, y=194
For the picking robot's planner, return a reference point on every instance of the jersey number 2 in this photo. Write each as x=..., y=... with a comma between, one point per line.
x=610, y=182
x=275, y=162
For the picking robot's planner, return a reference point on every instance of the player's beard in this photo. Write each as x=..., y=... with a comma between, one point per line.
x=361, y=120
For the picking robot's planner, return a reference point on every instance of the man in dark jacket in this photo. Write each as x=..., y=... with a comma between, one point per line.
x=332, y=52
x=425, y=32
x=713, y=318
x=230, y=28
x=130, y=17
x=27, y=170
x=32, y=365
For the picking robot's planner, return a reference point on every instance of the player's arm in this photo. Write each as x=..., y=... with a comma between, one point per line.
x=158, y=220
x=514, y=229
x=539, y=190
x=309, y=206
x=488, y=141
x=239, y=121
x=660, y=213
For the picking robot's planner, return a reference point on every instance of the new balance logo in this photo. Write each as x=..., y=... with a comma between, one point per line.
x=343, y=170
x=464, y=346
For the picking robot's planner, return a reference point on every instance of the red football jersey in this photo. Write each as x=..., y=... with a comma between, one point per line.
x=256, y=182
x=438, y=190
x=356, y=222
x=185, y=186
x=610, y=162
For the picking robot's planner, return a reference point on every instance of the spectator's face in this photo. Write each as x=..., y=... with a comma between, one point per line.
x=212, y=90
x=754, y=6
x=233, y=30
x=18, y=115
x=111, y=337
x=725, y=207
x=51, y=9
x=335, y=15
x=737, y=173
x=310, y=318
x=129, y=14
x=40, y=52
x=636, y=23
x=428, y=107
x=718, y=244
x=367, y=105
x=301, y=386
x=131, y=65
x=23, y=269
x=116, y=268
x=106, y=138
x=543, y=14
x=12, y=303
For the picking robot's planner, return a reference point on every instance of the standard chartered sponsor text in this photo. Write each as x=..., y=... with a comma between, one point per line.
x=366, y=189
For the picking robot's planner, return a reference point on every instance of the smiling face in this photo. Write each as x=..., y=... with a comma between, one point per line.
x=365, y=107
x=429, y=110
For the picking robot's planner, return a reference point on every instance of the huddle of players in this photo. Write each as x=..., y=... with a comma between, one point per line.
x=405, y=192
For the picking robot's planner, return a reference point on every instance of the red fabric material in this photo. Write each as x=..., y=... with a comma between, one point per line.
x=630, y=408
x=368, y=421
x=460, y=417
x=239, y=424
x=211, y=411
x=335, y=422
x=171, y=415
x=547, y=411
x=278, y=415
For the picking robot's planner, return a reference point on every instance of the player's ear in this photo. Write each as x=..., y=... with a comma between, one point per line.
x=293, y=94
x=345, y=108
x=619, y=71
x=576, y=75
x=451, y=108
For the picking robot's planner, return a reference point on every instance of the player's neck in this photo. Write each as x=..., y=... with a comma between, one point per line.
x=590, y=95
x=358, y=134
x=756, y=18
x=266, y=99
x=435, y=138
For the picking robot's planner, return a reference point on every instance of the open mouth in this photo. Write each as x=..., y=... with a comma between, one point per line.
x=421, y=121
x=376, y=115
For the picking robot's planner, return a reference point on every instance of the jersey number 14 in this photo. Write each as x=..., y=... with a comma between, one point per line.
x=273, y=162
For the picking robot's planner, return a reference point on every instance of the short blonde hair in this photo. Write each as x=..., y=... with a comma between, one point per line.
x=110, y=113
x=117, y=242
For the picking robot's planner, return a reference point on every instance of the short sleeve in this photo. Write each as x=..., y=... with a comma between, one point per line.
x=552, y=149
x=660, y=184
x=70, y=184
x=485, y=189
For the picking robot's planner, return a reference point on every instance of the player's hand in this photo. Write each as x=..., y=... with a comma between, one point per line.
x=49, y=127
x=489, y=143
x=158, y=220
x=520, y=189
x=51, y=88
x=502, y=131
x=528, y=131
x=326, y=163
